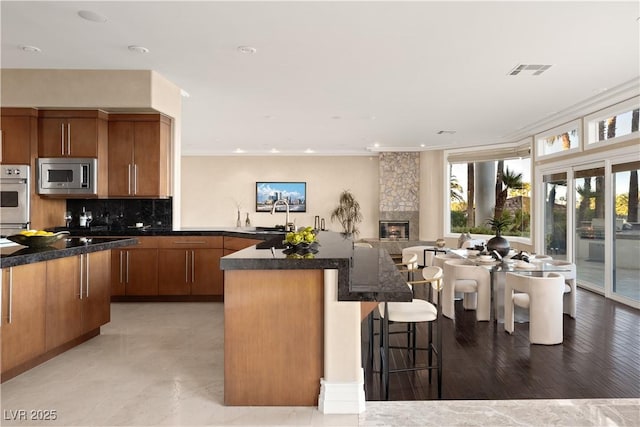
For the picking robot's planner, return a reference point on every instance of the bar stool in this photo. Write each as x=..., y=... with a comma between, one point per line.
x=415, y=311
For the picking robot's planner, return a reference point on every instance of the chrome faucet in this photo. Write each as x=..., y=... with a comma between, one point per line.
x=286, y=204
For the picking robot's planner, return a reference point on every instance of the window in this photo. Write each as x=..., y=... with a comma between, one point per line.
x=614, y=124
x=555, y=214
x=479, y=190
x=559, y=140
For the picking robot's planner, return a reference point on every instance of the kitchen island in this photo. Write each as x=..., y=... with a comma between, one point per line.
x=293, y=323
x=53, y=298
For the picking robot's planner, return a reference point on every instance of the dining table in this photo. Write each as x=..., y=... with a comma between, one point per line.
x=499, y=268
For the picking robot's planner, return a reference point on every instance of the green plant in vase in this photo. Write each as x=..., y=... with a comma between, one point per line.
x=499, y=243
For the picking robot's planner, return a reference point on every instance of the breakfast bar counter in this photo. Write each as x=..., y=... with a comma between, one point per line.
x=293, y=322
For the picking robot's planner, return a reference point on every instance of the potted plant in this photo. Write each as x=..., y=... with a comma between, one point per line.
x=499, y=243
x=347, y=213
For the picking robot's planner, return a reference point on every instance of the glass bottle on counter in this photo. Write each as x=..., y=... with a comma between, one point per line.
x=247, y=222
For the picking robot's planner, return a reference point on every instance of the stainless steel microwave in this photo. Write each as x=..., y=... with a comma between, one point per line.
x=64, y=175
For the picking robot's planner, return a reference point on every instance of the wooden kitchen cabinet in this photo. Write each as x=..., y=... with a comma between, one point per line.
x=97, y=290
x=134, y=270
x=139, y=155
x=23, y=314
x=190, y=265
x=64, y=306
x=18, y=127
x=63, y=133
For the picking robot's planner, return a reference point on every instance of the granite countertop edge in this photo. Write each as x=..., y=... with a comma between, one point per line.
x=32, y=256
x=155, y=232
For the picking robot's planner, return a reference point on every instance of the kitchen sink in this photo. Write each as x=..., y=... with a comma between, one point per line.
x=275, y=228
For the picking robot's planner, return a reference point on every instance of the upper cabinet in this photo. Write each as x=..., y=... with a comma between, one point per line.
x=139, y=147
x=18, y=128
x=71, y=133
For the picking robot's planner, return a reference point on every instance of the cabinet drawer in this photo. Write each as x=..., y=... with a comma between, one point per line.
x=148, y=242
x=237, y=243
x=191, y=242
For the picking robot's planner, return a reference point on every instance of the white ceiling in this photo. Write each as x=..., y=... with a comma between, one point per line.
x=338, y=77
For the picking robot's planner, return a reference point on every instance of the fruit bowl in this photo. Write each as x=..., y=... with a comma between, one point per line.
x=37, y=241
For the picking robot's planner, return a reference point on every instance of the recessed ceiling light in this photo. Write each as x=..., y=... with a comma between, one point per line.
x=375, y=144
x=422, y=145
x=30, y=49
x=138, y=49
x=309, y=151
x=184, y=93
x=247, y=49
x=238, y=150
x=92, y=16
x=275, y=150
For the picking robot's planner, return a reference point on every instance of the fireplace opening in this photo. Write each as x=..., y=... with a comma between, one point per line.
x=394, y=230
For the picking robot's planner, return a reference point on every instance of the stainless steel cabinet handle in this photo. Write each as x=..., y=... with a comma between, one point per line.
x=129, y=179
x=10, y=317
x=186, y=266
x=127, y=281
x=135, y=178
x=62, y=138
x=193, y=272
x=87, y=286
x=121, y=262
x=68, y=139
x=81, y=273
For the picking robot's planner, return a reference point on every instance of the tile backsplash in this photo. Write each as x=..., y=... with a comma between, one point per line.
x=116, y=214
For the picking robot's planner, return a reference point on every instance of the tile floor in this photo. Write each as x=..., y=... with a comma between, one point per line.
x=162, y=364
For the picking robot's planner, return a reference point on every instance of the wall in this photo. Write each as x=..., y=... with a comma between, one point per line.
x=213, y=187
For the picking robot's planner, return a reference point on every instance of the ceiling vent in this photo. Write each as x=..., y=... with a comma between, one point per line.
x=446, y=132
x=533, y=69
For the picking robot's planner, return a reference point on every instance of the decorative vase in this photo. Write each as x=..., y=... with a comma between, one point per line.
x=441, y=243
x=498, y=244
x=247, y=222
x=238, y=222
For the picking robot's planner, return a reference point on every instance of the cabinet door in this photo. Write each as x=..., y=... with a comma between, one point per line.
x=141, y=273
x=23, y=314
x=174, y=271
x=118, y=265
x=148, y=159
x=82, y=135
x=64, y=306
x=52, y=141
x=207, y=278
x=97, y=295
x=120, y=158
x=16, y=140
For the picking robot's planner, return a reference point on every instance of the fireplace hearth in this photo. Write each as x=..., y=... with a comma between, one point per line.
x=394, y=230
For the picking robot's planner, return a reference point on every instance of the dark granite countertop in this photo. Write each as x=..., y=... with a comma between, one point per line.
x=363, y=274
x=260, y=233
x=12, y=256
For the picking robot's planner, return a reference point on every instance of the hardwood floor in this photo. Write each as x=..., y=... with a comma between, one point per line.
x=599, y=358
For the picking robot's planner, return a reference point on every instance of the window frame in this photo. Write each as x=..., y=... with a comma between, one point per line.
x=538, y=140
x=590, y=124
x=503, y=152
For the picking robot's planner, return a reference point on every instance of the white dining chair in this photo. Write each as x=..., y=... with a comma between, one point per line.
x=542, y=296
x=570, y=286
x=471, y=280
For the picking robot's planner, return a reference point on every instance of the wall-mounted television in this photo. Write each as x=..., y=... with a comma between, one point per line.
x=295, y=193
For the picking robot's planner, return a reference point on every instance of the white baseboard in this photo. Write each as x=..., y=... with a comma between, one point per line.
x=341, y=398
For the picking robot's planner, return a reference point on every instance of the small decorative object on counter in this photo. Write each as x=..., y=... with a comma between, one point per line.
x=37, y=238
x=247, y=222
x=238, y=221
x=301, y=242
x=441, y=243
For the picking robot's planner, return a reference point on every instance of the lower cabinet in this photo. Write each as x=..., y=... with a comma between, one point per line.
x=78, y=296
x=134, y=270
x=23, y=314
x=51, y=303
x=190, y=265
